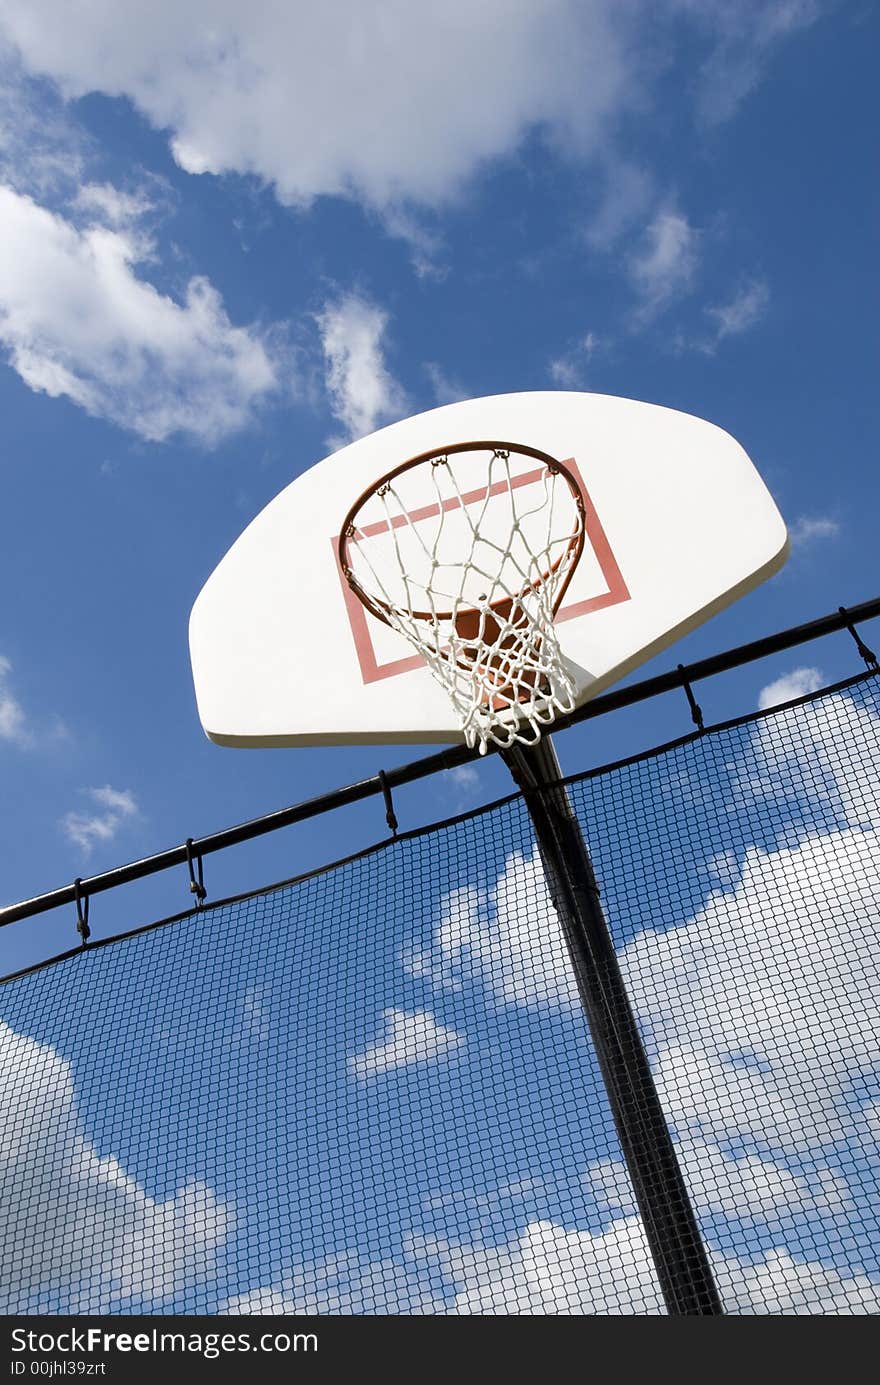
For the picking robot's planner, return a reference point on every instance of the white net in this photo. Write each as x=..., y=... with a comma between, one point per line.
x=467, y=554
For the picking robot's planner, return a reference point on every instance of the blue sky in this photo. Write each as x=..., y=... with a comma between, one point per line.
x=229, y=234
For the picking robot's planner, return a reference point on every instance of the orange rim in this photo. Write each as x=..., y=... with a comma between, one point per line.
x=574, y=547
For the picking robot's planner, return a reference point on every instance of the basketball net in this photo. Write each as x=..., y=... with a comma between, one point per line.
x=474, y=579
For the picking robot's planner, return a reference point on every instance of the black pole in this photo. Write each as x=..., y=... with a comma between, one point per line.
x=677, y=1248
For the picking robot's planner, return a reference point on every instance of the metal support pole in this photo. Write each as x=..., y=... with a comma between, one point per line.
x=677, y=1248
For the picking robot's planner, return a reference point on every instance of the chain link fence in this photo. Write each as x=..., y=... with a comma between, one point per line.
x=372, y=1090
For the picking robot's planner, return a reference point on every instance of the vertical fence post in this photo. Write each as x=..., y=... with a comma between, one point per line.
x=682, y=1264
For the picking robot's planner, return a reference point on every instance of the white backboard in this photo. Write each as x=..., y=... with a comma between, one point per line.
x=679, y=524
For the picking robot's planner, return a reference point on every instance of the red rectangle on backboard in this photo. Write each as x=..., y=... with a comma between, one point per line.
x=616, y=588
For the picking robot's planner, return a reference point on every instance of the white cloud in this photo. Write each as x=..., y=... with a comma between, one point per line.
x=568, y=371
x=86, y=829
x=42, y=150
x=256, y=1014
x=79, y=1234
x=742, y=312
x=547, y=1270
x=790, y=686
x=111, y=205
x=745, y=1051
x=465, y=777
x=14, y=726
x=408, y=1038
x=769, y=1005
x=77, y=321
x=362, y=391
x=731, y=319
x=406, y=108
x=666, y=265
x=425, y=246
x=781, y=1285
x=414, y=101
x=508, y=939
x=743, y=975
x=743, y=37
x=625, y=198
x=806, y=529
x=821, y=760
x=747, y=1187
x=565, y=372
x=344, y=1284
x=723, y=869
x=463, y=782
x=446, y=389
x=119, y=801
x=871, y=1116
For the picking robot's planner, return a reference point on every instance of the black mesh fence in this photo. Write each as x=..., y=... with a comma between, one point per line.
x=373, y=1090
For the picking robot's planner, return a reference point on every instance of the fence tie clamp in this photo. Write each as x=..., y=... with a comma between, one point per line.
x=82, y=911
x=196, y=884
x=696, y=710
x=390, y=816
x=867, y=654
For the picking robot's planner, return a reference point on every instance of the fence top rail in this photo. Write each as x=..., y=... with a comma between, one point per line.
x=844, y=618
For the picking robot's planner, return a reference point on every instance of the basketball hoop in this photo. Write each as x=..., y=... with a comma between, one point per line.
x=474, y=579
